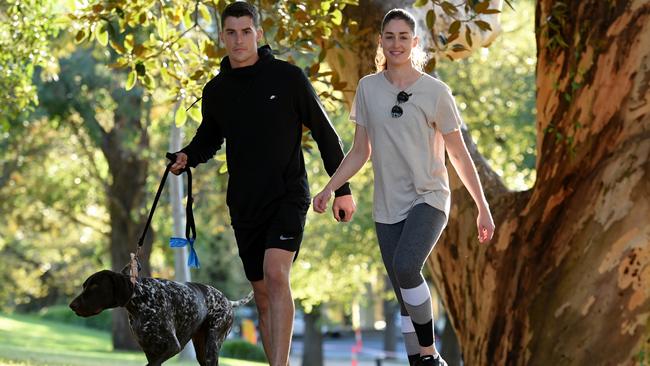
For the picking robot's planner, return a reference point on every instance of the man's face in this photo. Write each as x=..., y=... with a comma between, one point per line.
x=240, y=38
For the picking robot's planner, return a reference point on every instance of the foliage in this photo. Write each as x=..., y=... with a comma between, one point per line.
x=337, y=261
x=53, y=175
x=457, y=28
x=45, y=202
x=26, y=29
x=63, y=314
x=495, y=91
x=175, y=45
x=243, y=350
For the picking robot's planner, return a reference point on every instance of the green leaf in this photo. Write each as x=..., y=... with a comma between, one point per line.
x=149, y=82
x=81, y=36
x=129, y=42
x=102, y=35
x=205, y=13
x=337, y=17
x=431, y=19
x=130, y=80
x=161, y=27
x=196, y=75
x=140, y=69
x=181, y=116
x=223, y=169
x=195, y=112
x=420, y=3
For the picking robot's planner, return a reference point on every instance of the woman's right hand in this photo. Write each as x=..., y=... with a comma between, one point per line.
x=180, y=164
x=321, y=200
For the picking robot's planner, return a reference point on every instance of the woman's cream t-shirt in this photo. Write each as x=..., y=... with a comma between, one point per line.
x=408, y=152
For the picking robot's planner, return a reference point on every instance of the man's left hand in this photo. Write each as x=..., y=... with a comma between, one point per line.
x=346, y=205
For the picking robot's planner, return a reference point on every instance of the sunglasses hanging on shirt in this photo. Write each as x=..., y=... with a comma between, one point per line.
x=402, y=97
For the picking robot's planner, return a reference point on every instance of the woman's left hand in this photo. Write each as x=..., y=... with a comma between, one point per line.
x=485, y=226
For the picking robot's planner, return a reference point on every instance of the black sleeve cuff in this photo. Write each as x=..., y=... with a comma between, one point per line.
x=344, y=190
x=192, y=163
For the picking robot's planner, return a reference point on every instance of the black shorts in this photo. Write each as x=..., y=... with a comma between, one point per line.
x=283, y=230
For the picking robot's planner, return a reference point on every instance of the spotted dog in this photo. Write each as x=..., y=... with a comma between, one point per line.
x=164, y=315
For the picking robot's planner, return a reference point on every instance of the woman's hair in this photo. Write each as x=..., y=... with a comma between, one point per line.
x=418, y=57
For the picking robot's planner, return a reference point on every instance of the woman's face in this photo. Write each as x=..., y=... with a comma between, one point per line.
x=397, y=41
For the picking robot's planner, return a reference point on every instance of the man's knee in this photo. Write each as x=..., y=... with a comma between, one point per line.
x=276, y=277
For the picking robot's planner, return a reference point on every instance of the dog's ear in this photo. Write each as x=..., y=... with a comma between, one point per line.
x=122, y=288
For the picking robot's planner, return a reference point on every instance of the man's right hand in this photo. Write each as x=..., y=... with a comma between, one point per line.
x=180, y=164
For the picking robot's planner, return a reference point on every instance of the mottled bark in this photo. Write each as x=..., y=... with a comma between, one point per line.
x=562, y=281
x=125, y=194
x=565, y=279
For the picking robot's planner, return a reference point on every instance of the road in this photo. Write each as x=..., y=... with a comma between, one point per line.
x=338, y=352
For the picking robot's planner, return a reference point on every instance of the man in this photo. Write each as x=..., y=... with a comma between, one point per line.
x=258, y=104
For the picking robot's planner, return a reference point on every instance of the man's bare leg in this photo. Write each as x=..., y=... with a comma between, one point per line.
x=264, y=314
x=277, y=267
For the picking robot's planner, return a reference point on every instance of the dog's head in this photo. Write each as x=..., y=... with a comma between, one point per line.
x=102, y=290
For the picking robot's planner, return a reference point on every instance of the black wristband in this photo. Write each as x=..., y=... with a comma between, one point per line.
x=344, y=190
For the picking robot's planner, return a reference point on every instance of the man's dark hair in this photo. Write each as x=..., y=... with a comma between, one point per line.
x=240, y=9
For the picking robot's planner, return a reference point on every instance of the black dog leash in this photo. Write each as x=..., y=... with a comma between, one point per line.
x=190, y=227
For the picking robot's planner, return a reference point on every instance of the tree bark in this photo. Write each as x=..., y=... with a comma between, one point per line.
x=564, y=281
x=126, y=197
x=561, y=282
x=312, y=354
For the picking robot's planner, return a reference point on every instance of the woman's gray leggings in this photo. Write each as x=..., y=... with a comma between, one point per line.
x=405, y=247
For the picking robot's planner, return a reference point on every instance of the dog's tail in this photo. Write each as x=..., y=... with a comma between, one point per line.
x=243, y=301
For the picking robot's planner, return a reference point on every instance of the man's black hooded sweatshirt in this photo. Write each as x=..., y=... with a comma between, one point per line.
x=260, y=110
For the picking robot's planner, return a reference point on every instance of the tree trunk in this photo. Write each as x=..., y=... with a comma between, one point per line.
x=391, y=308
x=126, y=196
x=561, y=282
x=312, y=354
x=564, y=281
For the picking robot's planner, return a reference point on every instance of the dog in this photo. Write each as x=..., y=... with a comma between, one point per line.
x=163, y=315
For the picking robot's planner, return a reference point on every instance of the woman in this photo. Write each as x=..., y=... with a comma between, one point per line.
x=408, y=118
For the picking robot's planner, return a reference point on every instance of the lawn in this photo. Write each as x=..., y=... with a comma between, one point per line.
x=30, y=341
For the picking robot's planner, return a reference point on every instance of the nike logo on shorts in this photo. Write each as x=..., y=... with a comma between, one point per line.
x=282, y=237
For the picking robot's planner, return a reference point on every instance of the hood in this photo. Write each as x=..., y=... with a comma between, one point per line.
x=265, y=57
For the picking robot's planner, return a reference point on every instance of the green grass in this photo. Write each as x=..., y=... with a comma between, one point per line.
x=30, y=341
